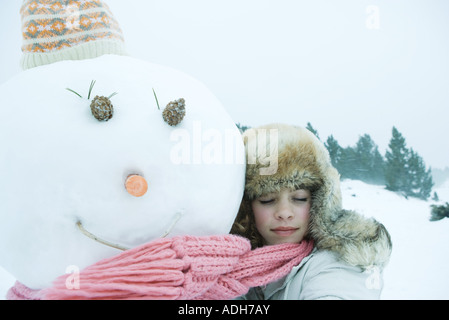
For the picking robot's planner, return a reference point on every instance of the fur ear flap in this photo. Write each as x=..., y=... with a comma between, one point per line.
x=359, y=241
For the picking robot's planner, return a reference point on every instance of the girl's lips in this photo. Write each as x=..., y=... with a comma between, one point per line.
x=284, y=231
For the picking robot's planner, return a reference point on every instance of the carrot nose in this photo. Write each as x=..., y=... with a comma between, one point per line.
x=136, y=185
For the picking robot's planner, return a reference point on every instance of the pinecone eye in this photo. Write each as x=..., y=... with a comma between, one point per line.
x=174, y=112
x=102, y=108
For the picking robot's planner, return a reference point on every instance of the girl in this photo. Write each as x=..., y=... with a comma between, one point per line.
x=299, y=200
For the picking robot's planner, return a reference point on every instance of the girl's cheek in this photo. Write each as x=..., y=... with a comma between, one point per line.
x=306, y=216
x=304, y=213
x=261, y=217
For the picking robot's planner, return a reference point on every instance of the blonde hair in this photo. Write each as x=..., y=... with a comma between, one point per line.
x=245, y=225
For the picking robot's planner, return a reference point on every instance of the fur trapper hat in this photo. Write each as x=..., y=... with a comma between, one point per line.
x=282, y=156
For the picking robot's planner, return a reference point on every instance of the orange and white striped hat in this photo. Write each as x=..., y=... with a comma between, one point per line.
x=56, y=30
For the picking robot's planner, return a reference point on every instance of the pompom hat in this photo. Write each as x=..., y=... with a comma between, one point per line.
x=56, y=30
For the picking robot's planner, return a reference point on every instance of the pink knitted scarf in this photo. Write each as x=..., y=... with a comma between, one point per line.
x=187, y=268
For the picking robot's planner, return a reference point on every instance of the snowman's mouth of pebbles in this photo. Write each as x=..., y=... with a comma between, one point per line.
x=92, y=236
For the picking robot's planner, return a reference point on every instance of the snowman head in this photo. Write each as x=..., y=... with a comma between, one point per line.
x=74, y=188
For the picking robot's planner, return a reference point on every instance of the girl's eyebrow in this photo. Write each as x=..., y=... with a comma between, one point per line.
x=268, y=195
x=301, y=193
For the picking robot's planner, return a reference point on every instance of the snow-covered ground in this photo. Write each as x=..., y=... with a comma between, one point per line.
x=419, y=265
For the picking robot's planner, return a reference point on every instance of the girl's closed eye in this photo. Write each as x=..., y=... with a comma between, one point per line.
x=266, y=201
x=267, y=198
x=301, y=199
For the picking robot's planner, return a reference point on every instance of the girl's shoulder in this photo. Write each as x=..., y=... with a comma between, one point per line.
x=324, y=274
x=324, y=259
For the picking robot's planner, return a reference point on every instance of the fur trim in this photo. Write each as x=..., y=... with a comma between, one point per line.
x=359, y=241
x=304, y=162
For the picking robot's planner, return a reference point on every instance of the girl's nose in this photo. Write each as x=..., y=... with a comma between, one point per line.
x=283, y=212
x=136, y=185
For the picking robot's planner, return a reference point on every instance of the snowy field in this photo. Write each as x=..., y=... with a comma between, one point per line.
x=419, y=265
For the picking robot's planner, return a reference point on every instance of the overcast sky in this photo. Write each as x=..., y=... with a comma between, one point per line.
x=349, y=67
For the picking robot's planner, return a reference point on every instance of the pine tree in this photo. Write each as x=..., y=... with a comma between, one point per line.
x=396, y=167
x=349, y=163
x=378, y=167
x=405, y=170
x=435, y=197
x=412, y=181
x=313, y=130
x=335, y=151
x=370, y=163
x=427, y=185
x=439, y=212
x=241, y=127
x=419, y=180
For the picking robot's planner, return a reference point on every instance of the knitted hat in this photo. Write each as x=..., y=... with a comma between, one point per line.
x=303, y=162
x=56, y=30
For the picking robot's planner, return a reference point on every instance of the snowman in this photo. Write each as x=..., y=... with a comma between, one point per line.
x=101, y=152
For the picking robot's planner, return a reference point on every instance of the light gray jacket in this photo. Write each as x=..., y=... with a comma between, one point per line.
x=322, y=275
